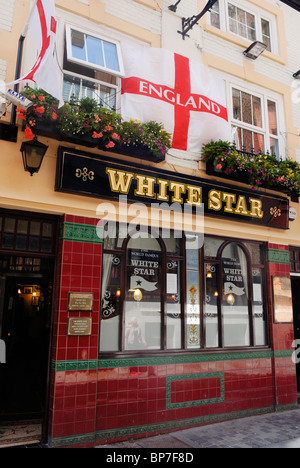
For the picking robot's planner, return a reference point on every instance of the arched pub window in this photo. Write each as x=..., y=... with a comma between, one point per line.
x=164, y=294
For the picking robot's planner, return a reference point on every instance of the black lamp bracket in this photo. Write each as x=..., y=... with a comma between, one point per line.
x=189, y=23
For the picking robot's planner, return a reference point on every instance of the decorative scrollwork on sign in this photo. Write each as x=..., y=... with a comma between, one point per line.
x=84, y=174
x=172, y=264
x=275, y=211
x=110, y=310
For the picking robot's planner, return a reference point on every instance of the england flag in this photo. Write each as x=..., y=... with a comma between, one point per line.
x=182, y=94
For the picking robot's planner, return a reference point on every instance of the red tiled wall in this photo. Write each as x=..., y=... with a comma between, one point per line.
x=282, y=337
x=73, y=393
x=119, y=399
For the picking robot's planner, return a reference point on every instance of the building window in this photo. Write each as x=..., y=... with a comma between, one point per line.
x=92, y=68
x=167, y=294
x=93, y=52
x=27, y=235
x=255, y=122
x=246, y=21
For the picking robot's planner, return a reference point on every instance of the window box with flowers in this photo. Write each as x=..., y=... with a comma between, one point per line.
x=84, y=122
x=258, y=170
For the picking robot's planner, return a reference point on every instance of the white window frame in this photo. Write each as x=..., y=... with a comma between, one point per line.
x=265, y=96
x=93, y=80
x=84, y=63
x=231, y=82
x=259, y=15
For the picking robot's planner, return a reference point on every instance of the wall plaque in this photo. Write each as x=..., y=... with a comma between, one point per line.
x=79, y=326
x=81, y=302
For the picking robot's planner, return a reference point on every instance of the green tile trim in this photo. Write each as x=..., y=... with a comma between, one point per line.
x=81, y=233
x=286, y=353
x=189, y=404
x=65, y=366
x=178, y=424
x=61, y=366
x=281, y=257
x=166, y=426
x=72, y=440
x=182, y=359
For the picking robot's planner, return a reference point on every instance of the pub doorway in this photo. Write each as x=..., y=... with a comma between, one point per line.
x=27, y=262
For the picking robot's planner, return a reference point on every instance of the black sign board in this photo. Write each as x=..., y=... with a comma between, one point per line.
x=87, y=174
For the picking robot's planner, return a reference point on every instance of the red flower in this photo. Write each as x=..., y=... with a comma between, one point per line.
x=97, y=135
x=40, y=110
x=110, y=145
x=41, y=98
x=54, y=115
x=28, y=134
x=115, y=136
x=21, y=116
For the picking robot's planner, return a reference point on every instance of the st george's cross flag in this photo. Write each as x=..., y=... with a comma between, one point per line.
x=182, y=94
x=41, y=24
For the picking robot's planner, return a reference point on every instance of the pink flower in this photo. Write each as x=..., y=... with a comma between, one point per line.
x=108, y=128
x=115, y=136
x=110, y=145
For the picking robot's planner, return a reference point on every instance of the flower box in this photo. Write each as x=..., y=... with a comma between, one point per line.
x=85, y=122
x=138, y=151
x=243, y=177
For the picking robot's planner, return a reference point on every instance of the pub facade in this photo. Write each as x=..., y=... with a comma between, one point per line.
x=141, y=294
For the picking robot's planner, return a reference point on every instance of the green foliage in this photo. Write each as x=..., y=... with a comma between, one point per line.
x=260, y=170
x=86, y=116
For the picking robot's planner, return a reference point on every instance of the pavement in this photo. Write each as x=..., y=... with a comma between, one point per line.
x=274, y=430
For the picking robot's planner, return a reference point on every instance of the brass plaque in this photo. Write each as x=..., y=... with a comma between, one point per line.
x=82, y=302
x=79, y=327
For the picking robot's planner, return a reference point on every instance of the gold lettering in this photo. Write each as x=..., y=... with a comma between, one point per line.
x=241, y=207
x=214, y=200
x=229, y=198
x=194, y=195
x=163, y=186
x=119, y=181
x=178, y=190
x=145, y=187
x=256, y=208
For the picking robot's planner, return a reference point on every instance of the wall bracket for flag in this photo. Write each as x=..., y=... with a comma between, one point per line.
x=189, y=23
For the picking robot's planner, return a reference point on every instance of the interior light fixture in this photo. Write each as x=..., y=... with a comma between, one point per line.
x=230, y=299
x=33, y=153
x=138, y=295
x=255, y=50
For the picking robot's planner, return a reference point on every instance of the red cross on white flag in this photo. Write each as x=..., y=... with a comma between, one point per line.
x=41, y=24
x=183, y=95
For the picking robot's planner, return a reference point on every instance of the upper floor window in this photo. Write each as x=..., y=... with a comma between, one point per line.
x=255, y=122
x=250, y=23
x=93, y=52
x=92, y=67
